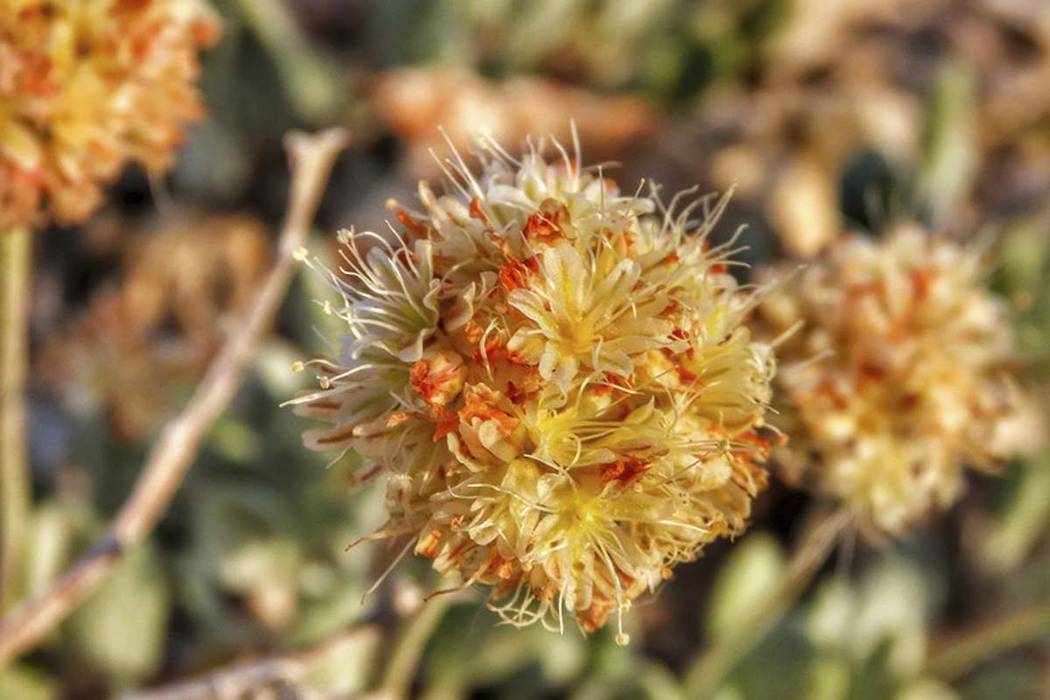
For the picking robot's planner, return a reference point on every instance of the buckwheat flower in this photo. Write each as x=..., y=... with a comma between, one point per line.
x=899, y=377
x=85, y=87
x=556, y=381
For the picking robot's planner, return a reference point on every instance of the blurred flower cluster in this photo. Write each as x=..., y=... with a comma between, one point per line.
x=84, y=88
x=898, y=375
x=141, y=341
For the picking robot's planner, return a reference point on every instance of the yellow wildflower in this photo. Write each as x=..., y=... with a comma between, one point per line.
x=899, y=377
x=557, y=380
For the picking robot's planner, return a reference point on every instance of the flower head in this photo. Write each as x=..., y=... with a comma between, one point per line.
x=898, y=378
x=556, y=378
x=85, y=87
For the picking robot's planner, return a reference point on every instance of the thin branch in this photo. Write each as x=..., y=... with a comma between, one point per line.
x=16, y=246
x=311, y=159
x=961, y=652
x=243, y=678
x=403, y=662
x=292, y=669
x=711, y=668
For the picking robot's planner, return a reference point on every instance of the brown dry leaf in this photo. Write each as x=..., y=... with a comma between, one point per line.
x=819, y=30
x=803, y=207
x=414, y=102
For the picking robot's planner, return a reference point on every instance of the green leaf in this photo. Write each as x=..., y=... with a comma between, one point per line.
x=829, y=679
x=21, y=683
x=891, y=617
x=468, y=651
x=345, y=667
x=747, y=581
x=121, y=629
x=1023, y=259
x=50, y=536
x=340, y=606
x=729, y=693
x=235, y=440
x=310, y=78
x=779, y=668
x=828, y=621
x=927, y=690
x=949, y=142
x=240, y=547
x=1010, y=678
x=1024, y=517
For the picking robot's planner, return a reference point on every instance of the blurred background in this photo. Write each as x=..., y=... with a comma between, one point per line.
x=826, y=115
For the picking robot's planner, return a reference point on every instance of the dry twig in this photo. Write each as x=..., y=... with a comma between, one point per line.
x=958, y=653
x=172, y=455
x=395, y=667
x=247, y=678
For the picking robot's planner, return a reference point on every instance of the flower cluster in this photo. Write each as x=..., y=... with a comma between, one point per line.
x=85, y=87
x=181, y=276
x=556, y=380
x=898, y=378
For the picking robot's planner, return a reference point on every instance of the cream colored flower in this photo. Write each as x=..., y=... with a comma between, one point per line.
x=85, y=87
x=899, y=377
x=556, y=378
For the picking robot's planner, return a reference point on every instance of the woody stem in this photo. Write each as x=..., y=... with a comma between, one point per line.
x=15, y=258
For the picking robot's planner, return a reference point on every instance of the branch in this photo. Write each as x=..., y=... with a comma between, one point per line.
x=403, y=662
x=311, y=159
x=959, y=653
x=247, y=676
x=414, y=621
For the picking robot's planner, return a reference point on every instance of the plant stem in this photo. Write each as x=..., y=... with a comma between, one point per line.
x=960, y=653
x=404, y=659
x=15, y=258
x=709, y=671
x=253, y=677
